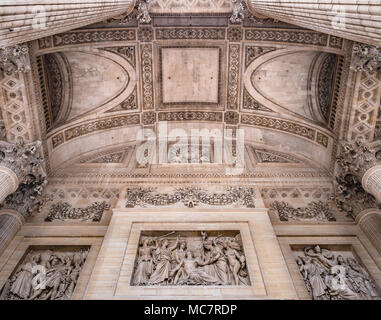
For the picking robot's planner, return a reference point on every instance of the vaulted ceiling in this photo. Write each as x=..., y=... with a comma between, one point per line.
x=104, y=82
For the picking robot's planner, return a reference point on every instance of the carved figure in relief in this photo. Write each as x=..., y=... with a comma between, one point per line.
x=335, y=278
x=312, y=273
x=180, y=253
x=216, y=260
x=22, y=285
x=322, y=256
x=337, y=284
x=234, y=258
x=46, y=275
x=145, y=263
x=194, y=275
x=163, y=256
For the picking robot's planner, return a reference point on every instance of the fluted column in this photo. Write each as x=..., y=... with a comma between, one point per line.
x=26, y=20
x=357, y=20
x=370, y=223
x=10, y=222
x=371, y=181
x=8, y=182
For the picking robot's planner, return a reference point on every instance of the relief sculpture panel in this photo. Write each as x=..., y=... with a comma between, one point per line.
x=335, y=274
x=46, y=274
x=184, y=258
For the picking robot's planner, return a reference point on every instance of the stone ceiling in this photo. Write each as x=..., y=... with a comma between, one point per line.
x=277, y=82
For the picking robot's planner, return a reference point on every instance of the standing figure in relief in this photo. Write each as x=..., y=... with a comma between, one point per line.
x=22, y=286
x=216, y=262
x=323, y=256
x=361, y=277
x=337, y=284
x=163, y=258
x=55, y=275
x=145, y=263
x=235, y=260
x=194, y=274
x=312, y=273
x=179, y=256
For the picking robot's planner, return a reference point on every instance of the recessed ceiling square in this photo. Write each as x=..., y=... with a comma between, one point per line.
x=190, y=75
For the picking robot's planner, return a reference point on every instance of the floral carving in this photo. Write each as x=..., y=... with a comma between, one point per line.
x=316, y=211
x=190, y=197
x=64, y=211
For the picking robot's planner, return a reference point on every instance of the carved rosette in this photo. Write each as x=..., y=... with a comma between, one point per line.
x=366, y=58
x=14, y=59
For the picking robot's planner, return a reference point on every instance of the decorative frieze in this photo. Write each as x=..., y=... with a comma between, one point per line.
x=335, y=275
x=190, y=33
x=46, y=274
x=147, y=76
x=190, y=116
x=186, y=258
x=102, y=124
x=14, y=59
x=315, y=211
x=64, y=211
x=233, y=76
x=287, y=36
x=86, y=37
x=278, y=124
x=190, y=197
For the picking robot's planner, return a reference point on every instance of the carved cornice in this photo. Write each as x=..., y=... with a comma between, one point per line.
x=14, y=59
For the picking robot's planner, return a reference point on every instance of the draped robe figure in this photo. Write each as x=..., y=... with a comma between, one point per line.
x=22, y=286
x=145, y=265
x=312, y=273
x=163, y=267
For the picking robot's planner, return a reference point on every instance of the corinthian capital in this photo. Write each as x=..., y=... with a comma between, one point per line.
x=21, y=158
x=366, y=57
x=353, y=161
x=13, y=59
x=356, y=158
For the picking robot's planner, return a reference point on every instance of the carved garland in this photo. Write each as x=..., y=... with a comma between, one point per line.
x=190, y=197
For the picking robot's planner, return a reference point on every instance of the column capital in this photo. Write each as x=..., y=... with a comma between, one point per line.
x=28, y=197
x=23, y=159
x=366, y=57
x=362, y=215
x=352, y=163
x=14, y=59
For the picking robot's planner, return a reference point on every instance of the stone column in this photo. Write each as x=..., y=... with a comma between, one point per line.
x=26, y=20
x=354, y=20
x=371, y=182
x=10, y=222
x=8, y=182
x=370, y=223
